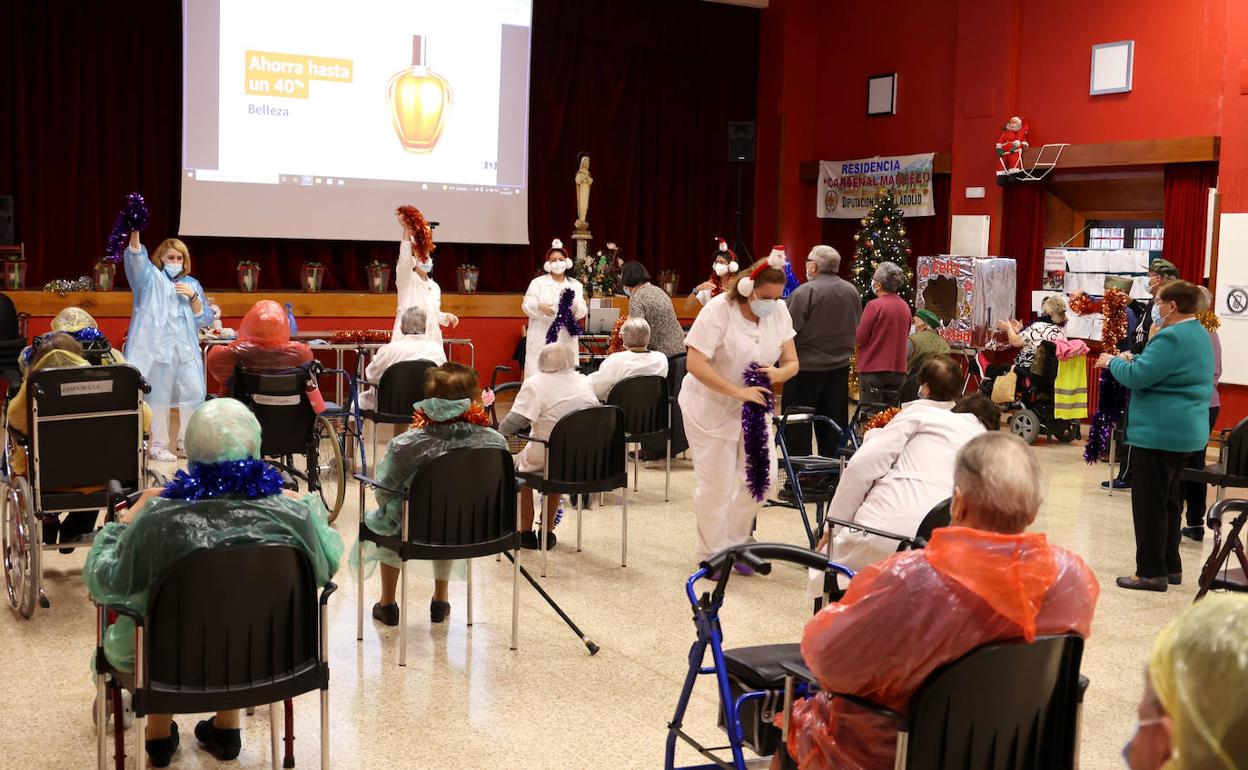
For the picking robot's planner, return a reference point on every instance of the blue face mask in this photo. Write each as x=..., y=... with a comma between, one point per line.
x=425, y=265
x=1156, y=314
x=443, y=409
x=762, y=307
x=173, y=271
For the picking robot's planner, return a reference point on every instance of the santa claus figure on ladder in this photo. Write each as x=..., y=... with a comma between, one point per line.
x=1010, y=146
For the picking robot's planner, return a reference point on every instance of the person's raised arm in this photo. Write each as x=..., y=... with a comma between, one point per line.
x=139, y=270
x=406, y=264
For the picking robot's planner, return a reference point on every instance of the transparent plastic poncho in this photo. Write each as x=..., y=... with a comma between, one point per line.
x=914, y=612
x=405, y=456
x=263, y=344
x=1198, y=669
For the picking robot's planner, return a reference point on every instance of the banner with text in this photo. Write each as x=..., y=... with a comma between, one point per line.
x=847, y=187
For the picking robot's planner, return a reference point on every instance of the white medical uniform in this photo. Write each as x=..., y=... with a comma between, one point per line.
x=625, y=364
x=545, y=289
x=542, y=400
x=409, y=347
x=721, y=500
x=415, y=291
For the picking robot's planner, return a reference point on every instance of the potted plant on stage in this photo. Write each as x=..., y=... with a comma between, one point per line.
x=466, y=277
x=105, y=273
x=313, y=276
x=669, y=280
x=14, y=266
x=378, y=277
x=248, y=276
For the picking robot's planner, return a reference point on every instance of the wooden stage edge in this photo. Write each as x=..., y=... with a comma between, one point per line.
x=234, y=304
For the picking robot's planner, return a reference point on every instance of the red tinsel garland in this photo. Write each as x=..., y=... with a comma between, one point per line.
x=358, y=336
x=616, y=343
x=419, y=229
x=475, y=415
x=883, y=418
x=1114, y=313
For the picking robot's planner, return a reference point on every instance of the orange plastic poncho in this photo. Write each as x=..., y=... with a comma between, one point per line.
x=263, y=345
x=905, y=617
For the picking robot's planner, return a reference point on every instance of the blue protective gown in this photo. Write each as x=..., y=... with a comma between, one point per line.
x=163, y=340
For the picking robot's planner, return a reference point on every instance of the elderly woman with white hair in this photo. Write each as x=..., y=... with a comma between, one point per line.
x=414, y=344
x=881, y=337
x=556, y=390
x=1049, y=327
x=635, y=360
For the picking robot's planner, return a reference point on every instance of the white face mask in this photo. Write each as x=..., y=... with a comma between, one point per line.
x=720, y=269
x=425, y=265
x=762, y=307
x=558, y=267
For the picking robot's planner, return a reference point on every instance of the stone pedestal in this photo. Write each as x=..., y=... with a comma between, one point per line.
x=581, y=238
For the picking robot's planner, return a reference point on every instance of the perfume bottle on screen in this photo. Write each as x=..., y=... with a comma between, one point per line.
x=419, y=101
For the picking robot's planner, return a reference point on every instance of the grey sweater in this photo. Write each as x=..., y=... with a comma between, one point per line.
x=825, y=313
x=652, y=303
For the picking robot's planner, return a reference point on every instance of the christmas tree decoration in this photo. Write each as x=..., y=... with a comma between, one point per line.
x=882, y=239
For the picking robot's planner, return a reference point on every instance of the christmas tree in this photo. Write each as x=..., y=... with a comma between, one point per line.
x=882, y=239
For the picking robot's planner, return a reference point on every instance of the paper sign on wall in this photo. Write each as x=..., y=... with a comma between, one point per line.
x=1232, y=301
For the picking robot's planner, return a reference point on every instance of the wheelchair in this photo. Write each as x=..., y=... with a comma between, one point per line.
x=1032, y=412
x=289, y=427
x=750, y=680
x=67, y=410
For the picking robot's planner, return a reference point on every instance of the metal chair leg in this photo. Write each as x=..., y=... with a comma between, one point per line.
x=359, y=587
x=667, y=482
x=403, y=614
x=541, y=532
x=624, y=529
x=578, y=524
x=1112, y=447
x=101, y=717
x=515, y=590
x=119, y=730
x=140, y=753
x=273, y=739
x=470, y=593
x=325, y=729
x=636, y=464
x=289, y=710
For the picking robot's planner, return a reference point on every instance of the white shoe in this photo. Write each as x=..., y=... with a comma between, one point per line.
x=181, y=450
x=162, y=455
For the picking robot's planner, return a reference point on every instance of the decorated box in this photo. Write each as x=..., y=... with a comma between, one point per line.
x=969, y=294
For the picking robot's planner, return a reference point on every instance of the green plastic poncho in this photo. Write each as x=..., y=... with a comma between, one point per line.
x=405, y=456
x=127, y=560
x=1198, y=668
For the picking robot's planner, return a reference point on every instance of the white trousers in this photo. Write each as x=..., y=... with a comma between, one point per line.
x=725, y=511
x=160, y=426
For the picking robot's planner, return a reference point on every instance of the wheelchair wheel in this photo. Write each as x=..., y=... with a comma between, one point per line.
x=1026, y=425
x=1066, y=431
x=329, y=472
x=22, y=550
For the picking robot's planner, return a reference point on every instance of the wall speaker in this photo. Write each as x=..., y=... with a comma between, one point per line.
x=741, y=141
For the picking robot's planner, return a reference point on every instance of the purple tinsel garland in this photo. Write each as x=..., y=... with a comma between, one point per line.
x=250, y=479
x=1111, y=405
x=133, y=216
x=563, y=318
x=754, y=420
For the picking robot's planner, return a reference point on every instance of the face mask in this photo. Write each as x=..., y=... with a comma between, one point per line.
x=173, y=271
x=1126, y=749
x=720, y=269
x=924, y=392
x=425, y=266
x=556, y=268
x=628, y=292
x=762, y=307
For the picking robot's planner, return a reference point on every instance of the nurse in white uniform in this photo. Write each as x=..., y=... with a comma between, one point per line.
x=745, y=324
x=541, y=302
x=411, y=276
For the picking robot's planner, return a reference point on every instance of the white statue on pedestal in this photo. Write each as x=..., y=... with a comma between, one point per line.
x=583, y=180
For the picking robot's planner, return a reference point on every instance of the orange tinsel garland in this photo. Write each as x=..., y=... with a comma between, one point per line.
x=419, y=229
x=476, y=415
x=883, y=418
x=616, y=343
x=357, y=336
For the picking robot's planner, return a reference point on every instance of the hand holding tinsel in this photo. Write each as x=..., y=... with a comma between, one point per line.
x=563, y=318
x=133, y=216
x=1112, y=396
x=755, y=429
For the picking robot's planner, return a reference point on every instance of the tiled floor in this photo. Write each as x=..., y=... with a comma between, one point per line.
x=466, y=701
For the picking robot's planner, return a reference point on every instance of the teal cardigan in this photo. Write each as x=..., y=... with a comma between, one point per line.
x=1171, y=383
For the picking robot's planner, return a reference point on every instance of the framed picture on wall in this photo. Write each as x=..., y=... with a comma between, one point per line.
x=882, y=94
x=1112, y=67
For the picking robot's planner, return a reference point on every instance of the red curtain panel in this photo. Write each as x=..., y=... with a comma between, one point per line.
x=1022, y=237
x=1186, y=217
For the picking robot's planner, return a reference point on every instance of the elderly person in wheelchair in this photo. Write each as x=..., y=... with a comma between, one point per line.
x=558, y=389
x=57, y=350
x=263, y=345
x=413, y=345
x=228, y=497
x=983, y=579
x=635, y=360
x=450, y=417
x=80, y=325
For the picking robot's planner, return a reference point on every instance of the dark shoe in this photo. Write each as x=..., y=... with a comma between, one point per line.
x=1194, y=533
x=1175, y=578
x=1118, y=484
x=529, y=540
x=438, y=611
x=78, y=540
x=1136, y=583
x=160, y=751
x=386, y=613
x=222, y=744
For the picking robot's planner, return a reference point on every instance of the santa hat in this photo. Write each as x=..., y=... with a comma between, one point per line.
x=775, y=260
x=557, y=252
x=724, y=251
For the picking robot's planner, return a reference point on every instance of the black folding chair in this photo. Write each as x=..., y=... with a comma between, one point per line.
x=402, y=384
x=226, y=628
x=1216, y=575
x=460, y=506
x=584, y=454
x=1231, y=469
x=1004, y=706
x=647, y=417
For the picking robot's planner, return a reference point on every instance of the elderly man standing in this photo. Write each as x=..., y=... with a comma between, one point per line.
x=414, y=345
x=983, y=579
x=825, y=311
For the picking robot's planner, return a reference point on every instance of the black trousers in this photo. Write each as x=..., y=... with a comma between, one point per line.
x=1195, y=493
x=1157, y=510
x=880, y=388
x=827, y=392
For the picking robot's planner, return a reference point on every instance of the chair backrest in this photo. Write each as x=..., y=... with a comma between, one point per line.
x=95, y=407
x=279, y=400
x=226, y=622
x=587, y=449
x=644, y=400
x=1004, y=706
x=935, y=519
x=462, y=505
x=1237, y=450
x=9, y=326
x=402, y=384
x=1045, y=363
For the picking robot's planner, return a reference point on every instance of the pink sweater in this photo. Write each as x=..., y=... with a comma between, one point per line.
x=882, y=335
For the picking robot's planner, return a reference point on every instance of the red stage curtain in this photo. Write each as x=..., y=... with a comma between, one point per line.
x=1187, y=216
x=1022, y=237
x=647, y=87
x=928, y=235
